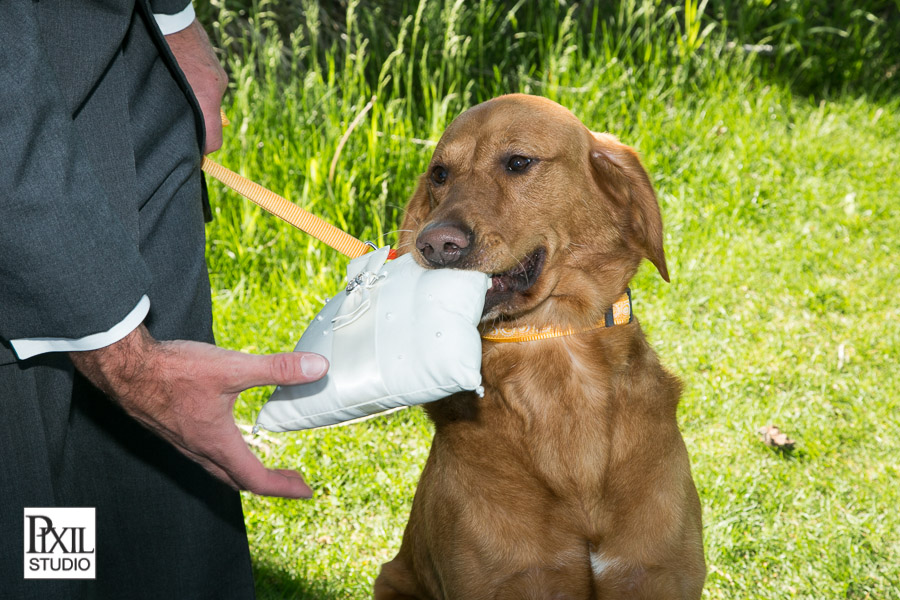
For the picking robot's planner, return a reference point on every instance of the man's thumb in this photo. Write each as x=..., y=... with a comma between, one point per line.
x=286, y=368
x=313, y=366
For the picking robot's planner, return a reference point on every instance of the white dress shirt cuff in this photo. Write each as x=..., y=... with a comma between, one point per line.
x=28, y=347
x=169, y=24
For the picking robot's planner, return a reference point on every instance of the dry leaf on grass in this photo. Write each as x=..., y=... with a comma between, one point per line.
x=773, y=437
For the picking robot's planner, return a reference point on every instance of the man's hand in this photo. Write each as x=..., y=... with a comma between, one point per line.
x=185, y=392
x=197, y=59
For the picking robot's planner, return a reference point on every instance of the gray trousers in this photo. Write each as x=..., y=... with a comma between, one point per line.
x=164, y=527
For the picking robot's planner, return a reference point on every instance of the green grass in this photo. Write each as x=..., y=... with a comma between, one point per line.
x=782, y=216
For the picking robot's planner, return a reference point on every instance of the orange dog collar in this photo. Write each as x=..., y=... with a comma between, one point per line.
x=618, y=314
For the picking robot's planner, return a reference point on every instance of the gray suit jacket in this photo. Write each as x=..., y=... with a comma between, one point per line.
x=100, y=203
x=69, y=229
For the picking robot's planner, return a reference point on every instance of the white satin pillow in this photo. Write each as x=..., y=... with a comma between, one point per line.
x=399, y=335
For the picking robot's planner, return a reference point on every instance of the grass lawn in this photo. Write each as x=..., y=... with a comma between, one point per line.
x=782, y=230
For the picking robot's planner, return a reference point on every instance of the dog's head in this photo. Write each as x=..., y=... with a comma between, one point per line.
x=560, y=217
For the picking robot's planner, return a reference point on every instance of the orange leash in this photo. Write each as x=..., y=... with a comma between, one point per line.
x=286, y=210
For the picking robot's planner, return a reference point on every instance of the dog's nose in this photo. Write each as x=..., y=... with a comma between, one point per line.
x=444, y=244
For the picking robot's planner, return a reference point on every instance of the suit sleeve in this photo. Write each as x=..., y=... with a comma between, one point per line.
x=28, y=347
x=168, y=7
x=68, y=266
x=172, y=15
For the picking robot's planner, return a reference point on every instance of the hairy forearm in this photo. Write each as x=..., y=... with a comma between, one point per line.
x=192, y=48
x=128, y=371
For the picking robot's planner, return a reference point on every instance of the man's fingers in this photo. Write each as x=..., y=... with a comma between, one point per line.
x=282, y=483
x=286, y=368
x=211, y=467
x=245, y=469
x=213, y=135
x=215, y=471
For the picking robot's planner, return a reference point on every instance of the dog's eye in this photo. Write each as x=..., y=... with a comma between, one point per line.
x=439, y=175
x=518, y=163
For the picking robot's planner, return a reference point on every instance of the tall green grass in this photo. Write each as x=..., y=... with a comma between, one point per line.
x=781, y=210
x=817, y=47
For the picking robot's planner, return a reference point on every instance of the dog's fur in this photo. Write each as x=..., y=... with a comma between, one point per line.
x=569, y=478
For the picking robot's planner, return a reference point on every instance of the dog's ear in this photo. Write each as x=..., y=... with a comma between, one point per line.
x=618, y=169
x=417, y=210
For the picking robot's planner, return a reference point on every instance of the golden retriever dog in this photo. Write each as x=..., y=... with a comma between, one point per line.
x=569, y=478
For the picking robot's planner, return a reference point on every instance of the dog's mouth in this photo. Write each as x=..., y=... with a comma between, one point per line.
x=516, y=280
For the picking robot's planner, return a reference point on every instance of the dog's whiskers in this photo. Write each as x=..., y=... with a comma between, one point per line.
x=572, y=252
x=518, y=261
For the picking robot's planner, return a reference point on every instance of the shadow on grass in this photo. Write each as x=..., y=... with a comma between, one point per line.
x=274, y=583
